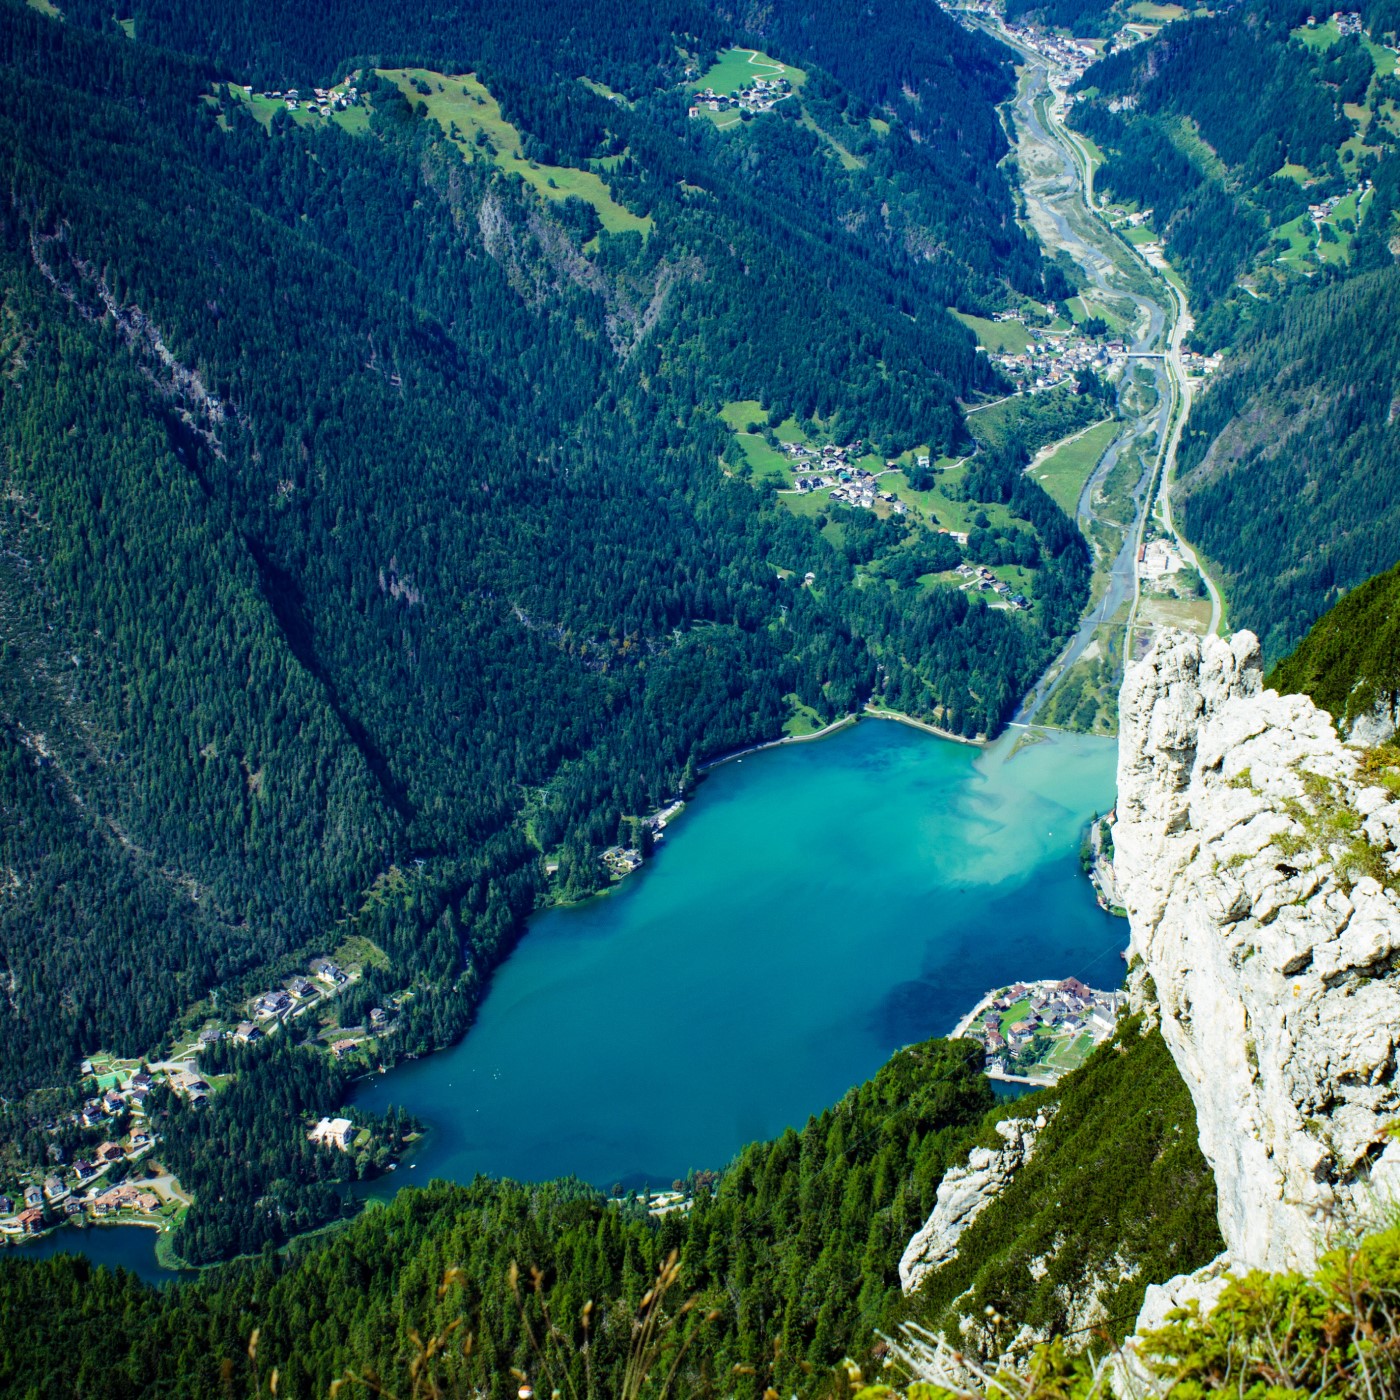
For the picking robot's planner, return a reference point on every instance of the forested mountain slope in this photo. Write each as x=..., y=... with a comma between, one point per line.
x=1265, y=150
x=1292, y=460
x=1115, y=1195
x=1349, y=663
x=791, y=1257
x=365, y=533
x=1227, y=128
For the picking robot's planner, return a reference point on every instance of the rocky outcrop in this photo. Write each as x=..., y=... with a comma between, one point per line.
x=1375, y=725
x=1258, y=869
x=964, y=1193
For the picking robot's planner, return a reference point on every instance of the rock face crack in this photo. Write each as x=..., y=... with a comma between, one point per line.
x=1271, y=958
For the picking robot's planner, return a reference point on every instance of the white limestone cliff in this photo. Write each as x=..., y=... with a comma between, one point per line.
x=963, y=1194
x=1247, y=848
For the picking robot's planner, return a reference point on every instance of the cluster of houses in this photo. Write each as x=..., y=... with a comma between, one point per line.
x=1200, y=365
x=1050, y=1013
x=1074, y=54
x=1052, y=357
x=1325, y=208
x=983, y=580
x=282, y=1003
x=1347, y=22
x=323, y=101
x=621, y=860
x=833, y=469
x=762, y=95
x=271, y=1009
x=119, y=1108
x=75, y=1189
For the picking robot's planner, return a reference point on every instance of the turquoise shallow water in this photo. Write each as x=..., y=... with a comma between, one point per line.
x=816, y=907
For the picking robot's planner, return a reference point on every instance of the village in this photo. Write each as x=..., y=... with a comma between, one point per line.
x=1074, y=55
x=834, y=469
x=762, y=95
x=323, y=101
x=1034, y=1032
x=1055, y=356
x=117, y=1179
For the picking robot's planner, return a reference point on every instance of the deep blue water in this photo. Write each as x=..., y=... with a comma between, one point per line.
x=815, y=908
x=131, y=1247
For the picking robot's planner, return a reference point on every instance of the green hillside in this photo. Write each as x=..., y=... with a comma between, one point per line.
x=1280, y=212
x=1349, y=662
x=1291, y=461
x=790, y=1256
x=372, y=543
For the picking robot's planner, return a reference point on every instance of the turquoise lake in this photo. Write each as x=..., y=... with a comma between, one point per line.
x=814, y=908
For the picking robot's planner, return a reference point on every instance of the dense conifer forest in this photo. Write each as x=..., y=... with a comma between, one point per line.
x=1293, y=458
x=1349, y=663
x=369, y=546
x=790, y=1257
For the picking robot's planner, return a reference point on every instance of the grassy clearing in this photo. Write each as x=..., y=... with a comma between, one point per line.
x=1299, y=174
x=1189, y=614
x=1318, y=37
x=1015, y=1013
x=358, y=951
x=742, y=412
x=803, y=719
x=603, y=90
x=1065, y=471
x=737, y=68
x=1156, y=14
x=1186, y=137
x=848, y=160
x=1298, y=255
x=1002, y=336
x=465, y=110
x=1385, y=59
x=764, y=459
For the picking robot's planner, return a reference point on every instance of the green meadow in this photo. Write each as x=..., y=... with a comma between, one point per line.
x=465, y=109
x=737, y=68
x=1065, y=471
x=1009, y=337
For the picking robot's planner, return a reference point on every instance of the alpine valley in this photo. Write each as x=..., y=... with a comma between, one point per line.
x=578, y=581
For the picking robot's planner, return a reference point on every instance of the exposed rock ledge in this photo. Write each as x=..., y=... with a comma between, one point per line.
x=1243, y=833
x=963, y=1194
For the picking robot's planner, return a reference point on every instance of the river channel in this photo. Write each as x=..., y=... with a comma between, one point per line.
x=1052, y=183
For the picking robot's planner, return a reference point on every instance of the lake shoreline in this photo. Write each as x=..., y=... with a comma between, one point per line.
x=786, y=848
x=869, y=712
